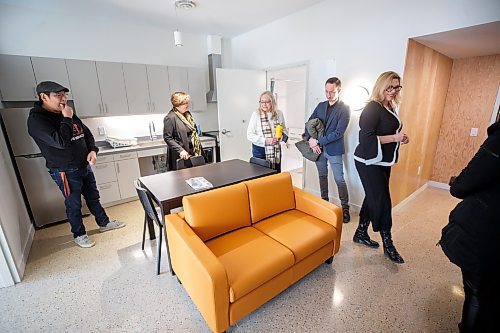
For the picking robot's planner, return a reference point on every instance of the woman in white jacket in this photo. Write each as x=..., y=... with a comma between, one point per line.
x=262, y=130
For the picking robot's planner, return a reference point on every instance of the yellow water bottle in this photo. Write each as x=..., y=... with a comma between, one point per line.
x=279, y=131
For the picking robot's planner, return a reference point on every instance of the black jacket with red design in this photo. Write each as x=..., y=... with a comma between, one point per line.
x=64, y=142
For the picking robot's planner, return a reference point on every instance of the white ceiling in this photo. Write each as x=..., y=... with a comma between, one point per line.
x=227, y=18
x=475, y=41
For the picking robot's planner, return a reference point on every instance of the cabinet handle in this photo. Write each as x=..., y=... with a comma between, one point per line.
x=100, y=108
x=125, y=155
x=105, y=187
x=154, y=107
x=106, y=106
x=101, y=166
x=148, y=106
x=34, y=91
x=117, y=167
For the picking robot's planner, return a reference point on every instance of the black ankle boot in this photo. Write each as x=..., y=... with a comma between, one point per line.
x=361, y=234
x=389, y=248
x=346, y=215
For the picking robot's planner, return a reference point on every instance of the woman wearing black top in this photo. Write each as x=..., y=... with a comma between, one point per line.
x=379, y=139
x=179, y=131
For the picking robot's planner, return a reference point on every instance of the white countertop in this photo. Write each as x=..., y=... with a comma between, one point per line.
x=146, y=143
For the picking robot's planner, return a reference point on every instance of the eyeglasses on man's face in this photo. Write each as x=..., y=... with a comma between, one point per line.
x=393, y=88
x=59, y=95
x=265, y=102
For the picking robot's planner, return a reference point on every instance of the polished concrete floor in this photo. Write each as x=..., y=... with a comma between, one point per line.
x=113, y=287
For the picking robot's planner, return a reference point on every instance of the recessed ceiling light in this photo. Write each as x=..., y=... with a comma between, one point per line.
x=185, y=4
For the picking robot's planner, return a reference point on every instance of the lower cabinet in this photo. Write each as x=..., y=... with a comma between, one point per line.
x=115, y=175
x=126, y=172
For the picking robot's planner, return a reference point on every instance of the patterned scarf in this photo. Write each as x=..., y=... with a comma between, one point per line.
x=273, y=152
x=188, y=120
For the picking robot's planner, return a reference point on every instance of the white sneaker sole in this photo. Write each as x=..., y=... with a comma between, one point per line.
x=85, y=246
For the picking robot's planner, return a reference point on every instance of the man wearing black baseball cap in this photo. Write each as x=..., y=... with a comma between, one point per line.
x=69, y=149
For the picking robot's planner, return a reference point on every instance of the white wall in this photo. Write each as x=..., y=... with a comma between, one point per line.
x=49, y=33
x=355, y=40
x=15, y=226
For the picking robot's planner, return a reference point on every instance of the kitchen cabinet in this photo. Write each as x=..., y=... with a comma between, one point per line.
x=159, y=88
x=115, y=175
x=85, y=85
x=178, y=79
x=112, y=86
x=105, y=176
x=51, y=69
x=136, y=84
x=126, y=172
x=197, y=88
x=17, y=81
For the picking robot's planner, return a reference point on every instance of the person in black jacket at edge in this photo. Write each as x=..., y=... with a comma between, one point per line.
x=69, y=149
x=471, y=240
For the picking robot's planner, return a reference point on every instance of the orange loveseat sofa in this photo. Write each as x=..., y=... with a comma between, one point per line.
x=235, y=248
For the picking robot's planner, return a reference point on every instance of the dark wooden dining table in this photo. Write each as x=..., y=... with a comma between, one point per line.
x=167, y=189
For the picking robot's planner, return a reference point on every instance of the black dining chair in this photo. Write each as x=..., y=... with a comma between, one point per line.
x=151, y=213
x=191, y=162
x=261, y=162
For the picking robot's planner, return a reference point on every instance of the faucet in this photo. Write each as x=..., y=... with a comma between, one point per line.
x=152, y=131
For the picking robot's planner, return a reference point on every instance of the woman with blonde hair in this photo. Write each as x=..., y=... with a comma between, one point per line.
x=262, y=130
x=379, y=139
x=179, y=130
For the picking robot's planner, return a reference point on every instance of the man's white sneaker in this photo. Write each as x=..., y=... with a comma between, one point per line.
x=113, y=224
x=84, y=241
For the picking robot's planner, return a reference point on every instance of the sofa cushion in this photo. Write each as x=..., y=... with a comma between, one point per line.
x=270, y=195
x=250, y=258
x=213, y=213
x=303, y=234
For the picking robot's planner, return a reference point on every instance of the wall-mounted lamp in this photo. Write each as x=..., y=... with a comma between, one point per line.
x=356, y=97
x=178, y=38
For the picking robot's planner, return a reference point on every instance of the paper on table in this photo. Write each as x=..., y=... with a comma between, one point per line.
x=199, y=183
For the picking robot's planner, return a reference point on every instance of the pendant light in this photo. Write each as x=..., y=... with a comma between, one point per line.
x=183, y=4
x=178, y=38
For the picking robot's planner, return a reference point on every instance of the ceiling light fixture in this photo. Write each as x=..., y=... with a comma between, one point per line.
x=178, y=38
x=183, y=4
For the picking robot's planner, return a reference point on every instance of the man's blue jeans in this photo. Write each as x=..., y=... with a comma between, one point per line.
x=338, y=174
x=81, y=181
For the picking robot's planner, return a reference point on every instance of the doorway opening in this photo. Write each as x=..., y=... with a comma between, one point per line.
x=289, y=88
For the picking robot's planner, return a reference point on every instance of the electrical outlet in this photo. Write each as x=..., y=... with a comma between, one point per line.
x=473, y=131
x=102, y=130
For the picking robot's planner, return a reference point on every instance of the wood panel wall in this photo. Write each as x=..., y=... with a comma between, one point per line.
x=425, y=84
x=470, y=100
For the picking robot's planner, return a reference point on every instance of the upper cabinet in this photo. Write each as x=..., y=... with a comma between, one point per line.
x=197, y=88
x=103, y=88
x=159, y=88
x=136, y=84
x=178, y=79
x=51, y=69
x=191, y=81
x=112, y=85
x=17, y=81
x=86, y=94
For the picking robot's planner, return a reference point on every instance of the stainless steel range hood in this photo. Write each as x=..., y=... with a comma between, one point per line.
x=214, y=61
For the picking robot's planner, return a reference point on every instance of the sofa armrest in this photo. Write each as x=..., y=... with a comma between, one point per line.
x=320, y=209
x=201, y=273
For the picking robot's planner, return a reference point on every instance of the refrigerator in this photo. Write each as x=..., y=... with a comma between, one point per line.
x=45, y=200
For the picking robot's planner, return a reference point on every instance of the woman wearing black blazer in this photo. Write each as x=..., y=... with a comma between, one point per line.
x=179, y=131
x=379, y=139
